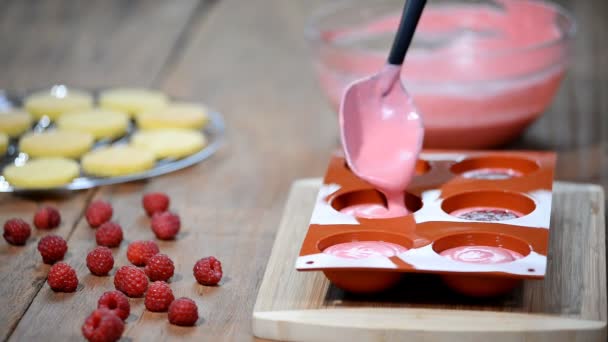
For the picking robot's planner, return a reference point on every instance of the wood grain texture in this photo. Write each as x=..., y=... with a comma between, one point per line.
x=87, y=44
x=22, y=272
x=69, y=41
x=574, y=287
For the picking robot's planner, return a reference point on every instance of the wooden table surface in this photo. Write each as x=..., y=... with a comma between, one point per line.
x=250, y=60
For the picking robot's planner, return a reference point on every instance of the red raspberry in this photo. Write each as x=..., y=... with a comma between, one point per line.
x=158, y=297
x=47, y=218
x=62, y=278
x=139, y=252
x=116, y=302
x=98, y=212
x=16, y=231
x=155, y=202
x=159, y=267
x=52, y=248
x=131, y=281
x=208, y=271
x=165, y=225
x=183, y=311
x=100, y=261
x=103, y=326
x=109, y=234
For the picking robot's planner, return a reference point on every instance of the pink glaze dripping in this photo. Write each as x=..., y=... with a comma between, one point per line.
x=365, y=249
x=481, y=254
x=382, y=136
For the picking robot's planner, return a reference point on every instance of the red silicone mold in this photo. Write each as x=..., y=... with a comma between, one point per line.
x=470, y=199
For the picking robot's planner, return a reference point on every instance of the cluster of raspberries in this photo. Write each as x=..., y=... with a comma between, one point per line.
x=148, y=276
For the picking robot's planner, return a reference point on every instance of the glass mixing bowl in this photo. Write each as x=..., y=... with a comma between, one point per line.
x=479, y=71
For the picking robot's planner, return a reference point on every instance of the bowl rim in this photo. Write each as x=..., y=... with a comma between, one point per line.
x=312, y=32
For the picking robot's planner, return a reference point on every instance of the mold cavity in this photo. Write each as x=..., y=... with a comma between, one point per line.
x=422, y=167
x=482, y=248
x=310, y=262
x=364, y=203
x=494, y=167
x=530, y=270
x=488, y=205
x=364, y=245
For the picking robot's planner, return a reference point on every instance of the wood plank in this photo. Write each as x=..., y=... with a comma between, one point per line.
x=574, y=288
x=22, y=272
x=381, y=324
x=69, y=41
x=88, y=44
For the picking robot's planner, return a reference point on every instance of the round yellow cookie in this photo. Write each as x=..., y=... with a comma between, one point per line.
x=42, y=173
x=15, y=122
x=98, y=122
x=3, y=143
x=175, y=115
x=56, y=143
x=57, y=101
x=117, y=161
x=132, y=100
x=170, y=143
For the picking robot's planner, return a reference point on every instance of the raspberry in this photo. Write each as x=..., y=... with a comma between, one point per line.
x=116, y=302
x=100, y=261
x=131, y=281
x=208, y=271
x=183, y=311
x=159, y=267
x=109, y=234
x=52, y=248
x=62, y=278
x=165, y=225
x=47, y=218
x=158, y=297
x=98, y=212
x=155, y=202
x=139, y=252
x=103, y=326
x=16, y=231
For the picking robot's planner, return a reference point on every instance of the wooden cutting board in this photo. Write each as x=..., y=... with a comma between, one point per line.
x=568, y=305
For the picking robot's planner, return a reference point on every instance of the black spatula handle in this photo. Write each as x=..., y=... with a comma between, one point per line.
x=412, y=10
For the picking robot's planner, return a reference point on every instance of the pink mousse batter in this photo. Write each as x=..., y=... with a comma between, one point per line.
x=481, y=254
x=365, y=210
x=365, y=249
x=464, y=73
x=382, y=137
x=486, y=214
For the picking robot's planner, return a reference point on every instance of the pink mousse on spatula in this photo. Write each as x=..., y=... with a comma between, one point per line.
x=381, y=129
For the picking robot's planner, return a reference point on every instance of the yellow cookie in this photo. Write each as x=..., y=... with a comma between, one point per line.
x=98, y=122
x=15, y=122
x=56, y=144
x=57, y=101
x=132, y=100
x=170, y=143
x=117, y=161
x=3, y=143
x=175, y=115
x=42, y=173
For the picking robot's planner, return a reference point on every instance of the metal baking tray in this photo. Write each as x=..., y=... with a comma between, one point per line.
x=214, y=132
